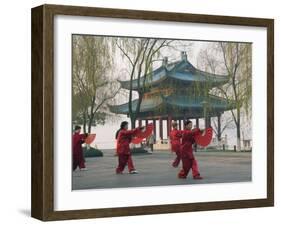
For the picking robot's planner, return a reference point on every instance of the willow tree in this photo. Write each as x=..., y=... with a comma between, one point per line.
x=140, y=54
x=238, y=65
x=92, y=61
x=234, y=60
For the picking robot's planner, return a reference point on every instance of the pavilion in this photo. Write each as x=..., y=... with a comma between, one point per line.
x=176, y=91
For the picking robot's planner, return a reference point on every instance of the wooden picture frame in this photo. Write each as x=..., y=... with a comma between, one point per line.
x=43, y=112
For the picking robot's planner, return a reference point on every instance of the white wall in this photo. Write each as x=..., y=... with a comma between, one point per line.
x=15, y=111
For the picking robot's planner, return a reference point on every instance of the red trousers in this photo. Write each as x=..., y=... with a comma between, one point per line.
x=177, y=159
x=123, y=160
x=78, y=160
x=188, y=164
x=194, y=167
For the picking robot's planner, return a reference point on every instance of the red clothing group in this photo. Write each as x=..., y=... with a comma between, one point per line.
x=124, y=139
x=181, y=144
x=77, y=151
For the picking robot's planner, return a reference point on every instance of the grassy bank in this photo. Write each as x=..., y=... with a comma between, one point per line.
x=92, y=152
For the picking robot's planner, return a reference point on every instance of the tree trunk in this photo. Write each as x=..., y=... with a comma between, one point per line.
x=91, y=115
x=133, y=122
x=84, y=122
x=90, y=123
x=89, y=126
x=238, y=131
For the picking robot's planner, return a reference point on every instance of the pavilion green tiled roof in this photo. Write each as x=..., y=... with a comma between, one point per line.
x=213, y=102
x=180, y=71
x=182, y=103
x=146, y=105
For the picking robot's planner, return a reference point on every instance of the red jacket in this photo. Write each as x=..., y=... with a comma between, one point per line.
x=175, y=140
x=187, y=141
x=77, y=141
x=124, y=139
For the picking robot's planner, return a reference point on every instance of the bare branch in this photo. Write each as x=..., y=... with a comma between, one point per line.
x=125, y=54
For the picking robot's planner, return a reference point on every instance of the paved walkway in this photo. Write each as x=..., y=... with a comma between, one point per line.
x=156, y=170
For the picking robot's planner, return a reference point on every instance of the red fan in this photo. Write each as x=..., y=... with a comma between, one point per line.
x=148, y=131
x=205, y=139
x=90, y=138
x=137, y=140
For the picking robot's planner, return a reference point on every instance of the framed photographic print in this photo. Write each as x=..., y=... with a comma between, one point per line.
x=141, y=112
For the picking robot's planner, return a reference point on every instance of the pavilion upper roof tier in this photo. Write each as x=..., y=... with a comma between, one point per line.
x=178, y=74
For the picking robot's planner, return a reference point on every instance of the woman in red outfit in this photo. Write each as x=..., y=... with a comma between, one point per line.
x=175, y=140
x=124, y=138
x=77, y=151
x=188, y=160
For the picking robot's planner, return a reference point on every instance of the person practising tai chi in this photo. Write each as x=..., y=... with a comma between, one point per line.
x=77, y=151
x=124, y=138
x=186, y=151
x=175, y=140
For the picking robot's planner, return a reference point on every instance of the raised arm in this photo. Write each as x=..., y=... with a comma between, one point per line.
x=191, y=133
x=132, y=132
x=83, y=137
x=196, y=132
x=179, y=133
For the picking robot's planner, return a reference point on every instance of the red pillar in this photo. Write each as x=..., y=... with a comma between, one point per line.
x=154, y=128
x=169, y=122
x=161, y=128
x=219, y=127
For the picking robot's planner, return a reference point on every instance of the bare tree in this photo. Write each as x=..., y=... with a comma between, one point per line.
x=140, y=54
x=207, y=61
x=238, y=64
x=233, y=59
x=226, y=123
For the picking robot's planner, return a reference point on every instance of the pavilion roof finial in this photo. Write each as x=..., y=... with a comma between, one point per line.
x=165, y=61
x=183, y=56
